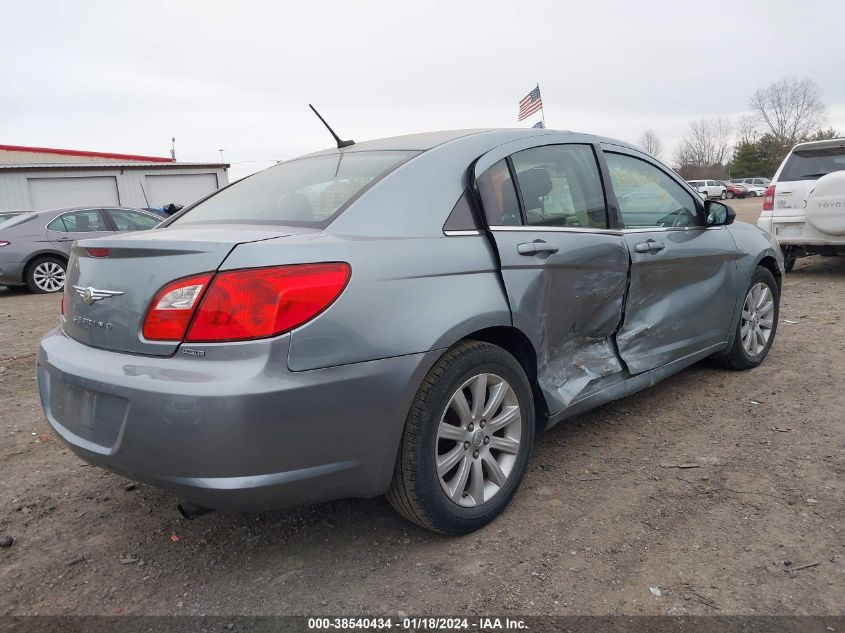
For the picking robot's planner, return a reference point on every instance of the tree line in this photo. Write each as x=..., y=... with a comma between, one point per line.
x=784, y=113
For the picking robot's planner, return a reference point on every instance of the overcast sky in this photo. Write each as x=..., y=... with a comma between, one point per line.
x=126, y=76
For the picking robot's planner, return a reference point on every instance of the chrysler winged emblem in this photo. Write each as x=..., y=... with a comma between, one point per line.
x=90, y=294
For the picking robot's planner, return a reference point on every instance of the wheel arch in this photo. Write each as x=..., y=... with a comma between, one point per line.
x=33, y=257
x=517, y=344
x=770, y=263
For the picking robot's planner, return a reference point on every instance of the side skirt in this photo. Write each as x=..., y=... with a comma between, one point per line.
x=630, y=385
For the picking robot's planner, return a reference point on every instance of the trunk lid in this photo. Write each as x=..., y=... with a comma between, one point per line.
x=136, y=267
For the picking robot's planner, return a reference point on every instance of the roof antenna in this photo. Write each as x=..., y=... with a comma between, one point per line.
x=340, y=144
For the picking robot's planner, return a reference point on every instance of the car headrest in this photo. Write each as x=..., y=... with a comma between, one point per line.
x=82, y=223
x=534, y=184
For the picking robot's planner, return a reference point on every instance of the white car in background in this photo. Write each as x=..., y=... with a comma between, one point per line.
x=804, y=207
x=754, y=190
x=709, y=188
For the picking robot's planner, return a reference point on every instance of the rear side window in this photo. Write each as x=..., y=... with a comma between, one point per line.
x=813, y=163
x=304, y=192
x=88, y=221
x=560, y=186
x=498, y=196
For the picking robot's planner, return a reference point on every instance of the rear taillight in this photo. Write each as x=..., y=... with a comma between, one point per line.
x=262, y=302
x=98, y=252
x=172, y=308
x=769, y=199
x=2, y=243
x=244, y=304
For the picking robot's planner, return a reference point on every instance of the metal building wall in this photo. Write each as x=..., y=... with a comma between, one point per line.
x=14, y=190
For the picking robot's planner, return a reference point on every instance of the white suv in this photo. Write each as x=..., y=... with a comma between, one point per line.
x=804, y=207
x=709, y=188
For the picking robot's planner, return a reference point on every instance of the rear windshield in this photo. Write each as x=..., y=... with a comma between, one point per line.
x=813, y=163
x=307, y=192
x=8, y=220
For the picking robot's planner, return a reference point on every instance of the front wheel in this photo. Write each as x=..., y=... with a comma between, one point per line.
x=757, y=325
x=467, y=439
x=730, y=194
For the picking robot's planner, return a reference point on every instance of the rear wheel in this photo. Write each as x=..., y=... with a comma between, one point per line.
x=723, y=195
x=466, y=442
x=757, y=325
x=46, y=274
x=730, y=194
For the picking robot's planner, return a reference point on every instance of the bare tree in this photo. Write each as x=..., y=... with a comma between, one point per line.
x=706, y=145
x=791, y=109
x=747, y=130
x=650, y=142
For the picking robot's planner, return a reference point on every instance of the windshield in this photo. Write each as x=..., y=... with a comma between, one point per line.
x=307, y=192
x=813, y=163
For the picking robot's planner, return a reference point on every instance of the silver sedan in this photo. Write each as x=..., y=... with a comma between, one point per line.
x=399, y=316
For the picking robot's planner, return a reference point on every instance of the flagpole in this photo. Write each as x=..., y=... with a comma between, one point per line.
x=542, y=112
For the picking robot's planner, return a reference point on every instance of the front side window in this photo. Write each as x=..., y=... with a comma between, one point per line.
x=307, y=192
x=88, y=221
x=498, y=196
x=560, y=186
x=647, y=196
x=127, y=220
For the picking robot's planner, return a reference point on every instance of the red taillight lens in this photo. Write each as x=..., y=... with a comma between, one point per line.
x=172, y=308
x=769, y=199
x=98, y=252
x=3, y=243
x=262, y=302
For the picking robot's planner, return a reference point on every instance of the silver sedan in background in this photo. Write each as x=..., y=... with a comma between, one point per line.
x=398, y=316
x=35, y=245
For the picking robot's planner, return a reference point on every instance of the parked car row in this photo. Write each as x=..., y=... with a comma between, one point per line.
x=35, y=245
x=722, y=189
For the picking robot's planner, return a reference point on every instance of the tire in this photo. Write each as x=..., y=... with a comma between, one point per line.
x=418, y=492
x=740, y=356
x=730, y=195
x=723, y=195
x=789, y=257
x=46, y=274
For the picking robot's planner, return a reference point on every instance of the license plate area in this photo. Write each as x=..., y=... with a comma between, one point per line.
x=91, y=415
x=789, y=230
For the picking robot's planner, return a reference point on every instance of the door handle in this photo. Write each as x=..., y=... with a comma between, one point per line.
x=536, y=247
x=649, y=246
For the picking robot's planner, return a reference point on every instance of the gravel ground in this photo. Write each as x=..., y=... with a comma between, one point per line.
x=599, y=521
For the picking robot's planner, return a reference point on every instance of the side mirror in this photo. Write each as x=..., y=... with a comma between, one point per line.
x=718, y=213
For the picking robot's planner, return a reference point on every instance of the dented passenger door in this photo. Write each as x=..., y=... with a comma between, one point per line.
x=682, y=292
x=563, y=269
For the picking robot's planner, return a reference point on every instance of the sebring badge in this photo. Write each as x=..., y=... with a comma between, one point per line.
x=90, y=294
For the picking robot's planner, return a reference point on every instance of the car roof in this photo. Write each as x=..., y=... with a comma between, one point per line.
x=833, y=142
x=428, y=140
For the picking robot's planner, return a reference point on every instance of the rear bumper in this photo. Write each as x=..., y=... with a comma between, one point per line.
x=240, y=432
x=11, y=273
x=793, y=230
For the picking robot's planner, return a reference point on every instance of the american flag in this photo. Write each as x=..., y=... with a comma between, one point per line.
x=530, y=104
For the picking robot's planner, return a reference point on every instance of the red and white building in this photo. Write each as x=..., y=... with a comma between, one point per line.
x=34, y=178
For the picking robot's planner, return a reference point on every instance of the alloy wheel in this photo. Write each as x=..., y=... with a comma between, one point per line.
x=49, y=276
x=757, y=319
x=478, y=440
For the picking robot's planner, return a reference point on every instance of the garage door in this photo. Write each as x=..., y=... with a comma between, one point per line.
x=179, y=188
x=58, y=193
